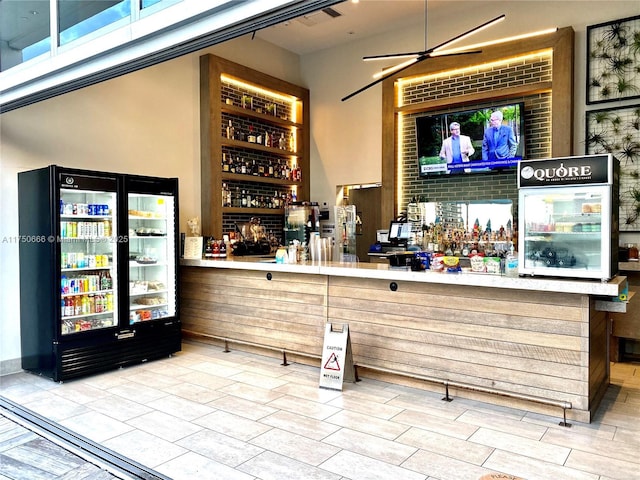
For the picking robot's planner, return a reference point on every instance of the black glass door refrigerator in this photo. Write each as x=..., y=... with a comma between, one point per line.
x=98, y=263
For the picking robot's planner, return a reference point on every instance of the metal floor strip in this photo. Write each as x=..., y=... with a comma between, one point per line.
x=118, y=465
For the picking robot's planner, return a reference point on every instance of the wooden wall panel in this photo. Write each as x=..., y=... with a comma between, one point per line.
x=526, y=342
x=289, y=311
x=539, y=344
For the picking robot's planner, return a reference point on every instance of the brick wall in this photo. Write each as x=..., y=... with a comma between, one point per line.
x=483, y=79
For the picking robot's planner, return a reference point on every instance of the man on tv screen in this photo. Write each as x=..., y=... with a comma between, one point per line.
x=456, y=149
x=499, y=141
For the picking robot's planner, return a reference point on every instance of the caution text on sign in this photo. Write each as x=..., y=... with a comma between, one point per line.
x=337, y=362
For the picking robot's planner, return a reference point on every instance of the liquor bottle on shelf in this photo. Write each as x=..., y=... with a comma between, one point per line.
x=267, y=139
x=251, y=137
x=225, y=164
x=240, y=134
x=292, y=142
x=282, y=143
x=244, y=198
x=231, y=131
x=269, y=172
x=224, y=194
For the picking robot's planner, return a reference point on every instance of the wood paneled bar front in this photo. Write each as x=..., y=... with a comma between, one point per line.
x=533, y=343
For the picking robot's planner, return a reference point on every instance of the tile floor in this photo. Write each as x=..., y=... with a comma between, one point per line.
x=205, y=414
x=27, y=455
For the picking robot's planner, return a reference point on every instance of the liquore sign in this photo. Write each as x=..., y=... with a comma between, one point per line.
x=587, y=169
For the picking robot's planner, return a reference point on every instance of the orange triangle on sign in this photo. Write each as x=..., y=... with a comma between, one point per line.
x=332, y=363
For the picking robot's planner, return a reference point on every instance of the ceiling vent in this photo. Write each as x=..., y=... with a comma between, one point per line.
x=319, y=17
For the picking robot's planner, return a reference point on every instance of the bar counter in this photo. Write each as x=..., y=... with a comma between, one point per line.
x=537, y=344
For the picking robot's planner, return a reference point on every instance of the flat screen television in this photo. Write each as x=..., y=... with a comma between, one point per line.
x=432, y=130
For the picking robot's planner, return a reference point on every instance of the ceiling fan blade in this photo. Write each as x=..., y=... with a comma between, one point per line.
x=467, y=33
x=453, y=54
x=418, y=60
x=428, y=53
x=383, y=78
x=393, y=55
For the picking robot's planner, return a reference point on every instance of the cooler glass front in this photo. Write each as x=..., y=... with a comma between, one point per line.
x=152, y=259
x=88, y=253
x=565, y=231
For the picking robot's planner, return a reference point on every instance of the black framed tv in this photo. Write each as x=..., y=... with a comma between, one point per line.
x=432, y=131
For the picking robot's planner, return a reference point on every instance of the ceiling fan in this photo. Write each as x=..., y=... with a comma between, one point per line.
x=417, y=57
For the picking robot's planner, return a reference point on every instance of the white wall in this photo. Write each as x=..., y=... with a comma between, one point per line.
x=147, y=122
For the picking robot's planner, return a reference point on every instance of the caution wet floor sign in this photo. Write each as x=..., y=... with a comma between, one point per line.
x=336, y=366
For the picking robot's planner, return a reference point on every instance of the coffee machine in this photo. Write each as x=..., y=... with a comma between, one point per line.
x=300, y=219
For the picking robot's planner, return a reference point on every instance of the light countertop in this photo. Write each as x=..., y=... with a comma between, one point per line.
x=612, y=288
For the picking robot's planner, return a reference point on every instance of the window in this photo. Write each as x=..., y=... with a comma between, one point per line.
x=24, y=31
x=79, y=18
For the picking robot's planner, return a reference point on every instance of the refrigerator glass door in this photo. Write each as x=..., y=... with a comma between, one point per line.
x=565, y=231
x=88, y=260
x=152, y=273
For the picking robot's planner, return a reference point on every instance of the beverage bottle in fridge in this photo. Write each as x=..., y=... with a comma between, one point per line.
x=77, y=305
x=85, y=305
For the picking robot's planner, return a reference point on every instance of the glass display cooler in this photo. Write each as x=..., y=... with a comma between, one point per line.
x=98, y=264
x=152, y=269
x=568, y=217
